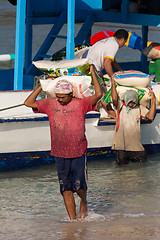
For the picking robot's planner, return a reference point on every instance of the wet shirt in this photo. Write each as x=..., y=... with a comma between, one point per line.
x=67, y=125
x=127, y=135
x=99, y=51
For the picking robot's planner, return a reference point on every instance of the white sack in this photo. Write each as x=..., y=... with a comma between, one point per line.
x=81, y=86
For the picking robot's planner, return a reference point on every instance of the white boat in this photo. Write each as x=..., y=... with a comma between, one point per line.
x=25, y=136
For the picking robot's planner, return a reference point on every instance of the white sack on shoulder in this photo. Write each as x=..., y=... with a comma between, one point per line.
x=81, y=86
x=145, y=101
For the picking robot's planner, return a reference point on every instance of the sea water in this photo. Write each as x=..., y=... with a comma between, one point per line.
x=123, y=202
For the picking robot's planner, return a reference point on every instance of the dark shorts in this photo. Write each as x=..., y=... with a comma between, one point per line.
x=124, y=157
x=72, y=173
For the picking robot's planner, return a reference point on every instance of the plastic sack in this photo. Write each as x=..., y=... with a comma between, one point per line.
x=132, y=78
x=75, y=67
x=79, y=50
x=143, y=96
x=81, y=86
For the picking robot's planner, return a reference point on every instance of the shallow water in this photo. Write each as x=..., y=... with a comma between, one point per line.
x=123, y=203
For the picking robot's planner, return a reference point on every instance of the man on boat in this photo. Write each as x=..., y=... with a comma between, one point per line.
x=127, y=139
x=102, y=55
x=68, y=141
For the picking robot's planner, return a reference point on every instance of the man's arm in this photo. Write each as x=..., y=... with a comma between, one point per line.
x=108, y=66
x=31, y=100
x=108, y=63
x=98, y=92
x=114, y=92
x=152, y=111
x=116, y=66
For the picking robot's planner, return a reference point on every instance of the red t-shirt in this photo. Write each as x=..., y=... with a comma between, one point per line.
x=67, y=125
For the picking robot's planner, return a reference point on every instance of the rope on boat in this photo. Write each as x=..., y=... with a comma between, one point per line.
x=7, y=108
x=36, y=85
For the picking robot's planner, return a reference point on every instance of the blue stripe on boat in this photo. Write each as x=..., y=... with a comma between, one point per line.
x=16, y=161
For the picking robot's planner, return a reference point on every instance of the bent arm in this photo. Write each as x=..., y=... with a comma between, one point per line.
x=116, y=66
x=31, y=100
x=98, y=92
x=108, y=66
x=108, y=63
x=152, y=111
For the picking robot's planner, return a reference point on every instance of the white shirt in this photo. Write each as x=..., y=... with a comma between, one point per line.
x=99, y=51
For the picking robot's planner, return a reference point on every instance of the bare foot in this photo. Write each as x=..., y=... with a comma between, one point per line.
x=83, y=212
x=112, y=114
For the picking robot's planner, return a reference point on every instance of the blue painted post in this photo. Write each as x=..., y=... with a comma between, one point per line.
x=19, y=44
x=70, y=30
x=144, y=64
x=124, y=10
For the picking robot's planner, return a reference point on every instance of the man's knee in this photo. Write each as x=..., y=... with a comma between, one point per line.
x=82, y=194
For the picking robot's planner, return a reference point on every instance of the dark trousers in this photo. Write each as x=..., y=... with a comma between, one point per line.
x=124, y=157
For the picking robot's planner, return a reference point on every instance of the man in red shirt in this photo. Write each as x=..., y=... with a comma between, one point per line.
x=68, y=141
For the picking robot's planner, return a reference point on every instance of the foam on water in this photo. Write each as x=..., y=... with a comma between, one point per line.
x=92, y=216
x=134, y=215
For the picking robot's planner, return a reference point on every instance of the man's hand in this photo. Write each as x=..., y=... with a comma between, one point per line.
x=92, y=68
x=152, y=94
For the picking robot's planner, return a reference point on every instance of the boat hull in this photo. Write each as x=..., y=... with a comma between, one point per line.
x=25, y=136
x=25, y=142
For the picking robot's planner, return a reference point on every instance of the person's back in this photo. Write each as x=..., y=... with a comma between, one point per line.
x=102, y=55
x=99, y=51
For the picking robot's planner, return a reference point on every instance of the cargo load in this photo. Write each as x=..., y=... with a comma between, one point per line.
x=81, y=85
x=75, y=67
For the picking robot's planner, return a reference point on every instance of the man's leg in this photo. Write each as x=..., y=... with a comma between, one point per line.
x=70, y=204
x=107, y=106
x=65, y=179
x=79, y=169
x=83, y=204
x=138, y=156
x=122, y=157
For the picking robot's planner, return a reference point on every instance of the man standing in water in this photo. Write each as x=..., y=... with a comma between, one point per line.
x=68, y=141
x=127, y=139
x=102, y=55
